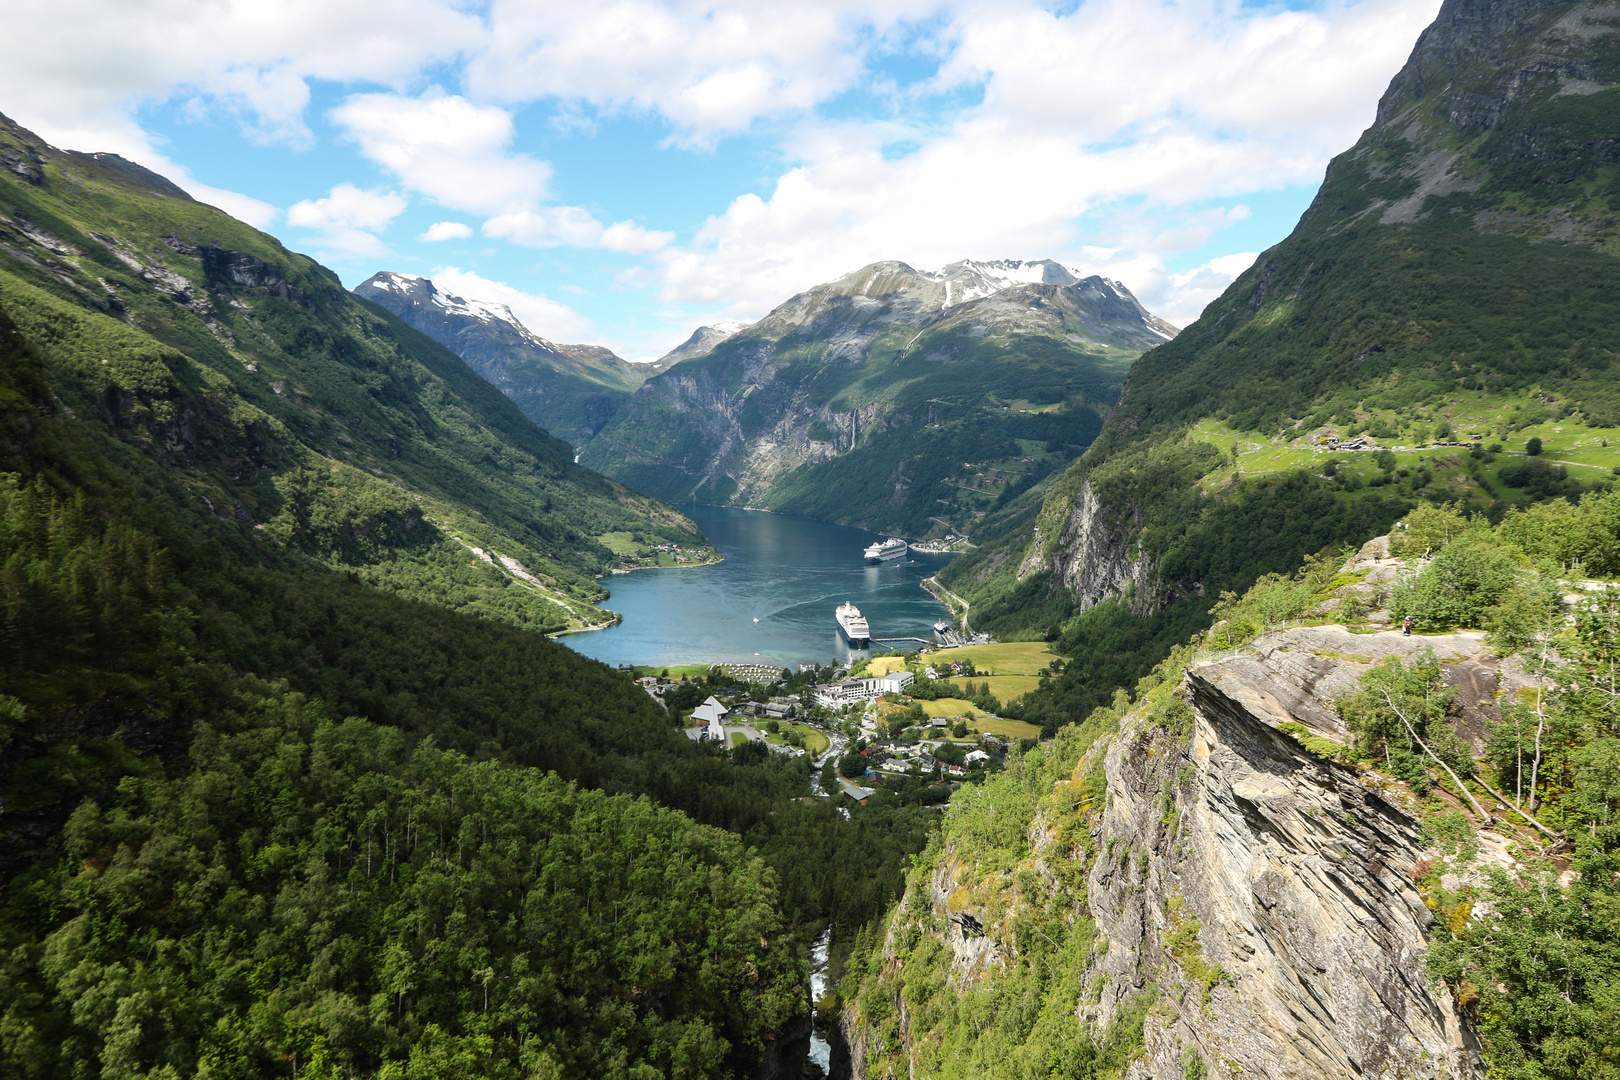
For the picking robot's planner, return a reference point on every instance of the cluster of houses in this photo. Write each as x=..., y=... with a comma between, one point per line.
x=895, y=759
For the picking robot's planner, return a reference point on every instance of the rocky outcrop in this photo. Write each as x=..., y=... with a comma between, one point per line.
x=1261, y=895
x=1278, y=899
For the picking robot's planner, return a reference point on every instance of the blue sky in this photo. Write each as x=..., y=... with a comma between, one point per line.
x=622, y=172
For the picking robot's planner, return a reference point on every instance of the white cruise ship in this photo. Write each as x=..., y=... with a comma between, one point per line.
x=887, y=551
x=852, y=624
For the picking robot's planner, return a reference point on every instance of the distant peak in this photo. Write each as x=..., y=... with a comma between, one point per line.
x=421, y=290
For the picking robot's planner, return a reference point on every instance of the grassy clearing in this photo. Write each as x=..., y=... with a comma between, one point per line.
x=675, y=671
x=882, y=665
x=1013, y=729
x=814, y=741
x=1587, y=453
x=1010, y=687
x=738, y=738
x=1005, y=658
x=1010, y=729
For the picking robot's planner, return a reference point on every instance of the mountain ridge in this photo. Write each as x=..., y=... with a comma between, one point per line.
x=570, y=390
x=847, y=401
x=322, y=428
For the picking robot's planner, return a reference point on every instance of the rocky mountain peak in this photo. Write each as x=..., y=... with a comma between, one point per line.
x=1483, y=56
x=411, y=289
x=702, y=341
x=570, y=390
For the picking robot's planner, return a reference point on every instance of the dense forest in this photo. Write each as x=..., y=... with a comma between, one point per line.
x=267, y=809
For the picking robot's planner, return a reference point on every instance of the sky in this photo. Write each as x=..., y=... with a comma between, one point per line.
x=621, y=172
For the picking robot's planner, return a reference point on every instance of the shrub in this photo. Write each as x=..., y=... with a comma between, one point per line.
x=1457, y=587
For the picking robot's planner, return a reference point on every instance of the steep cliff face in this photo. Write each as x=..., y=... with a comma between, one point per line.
x=872, y=398
x=1278, y=899
x=1198, y=893
x=1093, y=558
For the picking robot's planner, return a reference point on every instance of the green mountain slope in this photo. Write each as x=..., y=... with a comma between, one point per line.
x=899, y=400
x=1455, y=282
x=321, y=426
x=570, y=390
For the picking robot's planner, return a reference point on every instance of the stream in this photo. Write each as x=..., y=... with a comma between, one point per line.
x=820, y=1050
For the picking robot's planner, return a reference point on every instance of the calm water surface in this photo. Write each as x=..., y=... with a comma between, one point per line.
x=787, y=572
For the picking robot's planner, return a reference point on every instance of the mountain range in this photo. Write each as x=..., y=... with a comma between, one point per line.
x=893, y=398
x=904, y=400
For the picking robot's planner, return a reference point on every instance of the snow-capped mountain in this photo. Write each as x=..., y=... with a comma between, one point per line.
x=570, y=390
x=846, y=399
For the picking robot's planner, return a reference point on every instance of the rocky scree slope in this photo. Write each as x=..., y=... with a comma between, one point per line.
x=1191, y=890
x=318, y=426
x=1465, y=247
x=867, y=400
x=570, y=390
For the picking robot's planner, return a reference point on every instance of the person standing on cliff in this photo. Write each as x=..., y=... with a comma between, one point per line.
x=1406, y=626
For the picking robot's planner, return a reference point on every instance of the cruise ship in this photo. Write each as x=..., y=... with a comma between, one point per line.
x=888, y=551
x=852, y=624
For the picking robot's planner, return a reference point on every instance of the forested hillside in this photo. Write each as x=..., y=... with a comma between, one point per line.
x=1450, y=299
x=291, y=408
x=280, y=789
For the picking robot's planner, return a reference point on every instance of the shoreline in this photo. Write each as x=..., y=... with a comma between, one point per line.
x=684, y=566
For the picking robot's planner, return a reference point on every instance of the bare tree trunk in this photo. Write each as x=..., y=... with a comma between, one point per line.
x=1511, y=806
x=1469, y=795
x=1535, y=767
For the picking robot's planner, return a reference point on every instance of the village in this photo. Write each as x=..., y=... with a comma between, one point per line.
x=915, y=725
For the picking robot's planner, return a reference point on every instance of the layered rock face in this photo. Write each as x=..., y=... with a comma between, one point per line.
x=1259, y=895
x=1093, y=559
x=1295, y=877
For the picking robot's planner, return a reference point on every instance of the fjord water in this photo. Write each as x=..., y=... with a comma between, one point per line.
x=787, y=572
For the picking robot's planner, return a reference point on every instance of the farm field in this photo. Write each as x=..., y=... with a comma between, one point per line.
x=1012, y=729
x=1003, y=658
x=1587, y=453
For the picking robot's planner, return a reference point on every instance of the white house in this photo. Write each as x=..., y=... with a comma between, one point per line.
x=711, y=716
x=975, y=757
x=895, y=681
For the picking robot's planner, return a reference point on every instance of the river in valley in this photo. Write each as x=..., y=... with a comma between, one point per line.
x=770, y=601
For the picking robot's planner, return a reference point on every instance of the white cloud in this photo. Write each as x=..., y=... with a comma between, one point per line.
x=347, y=206
x=87, y=63
x=556, y=225
x=1184, y=295
x=448, y=148
x=346, y=221
x=708, y=68
x=1110, y=118
x=548, y=318
x=446, y=230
